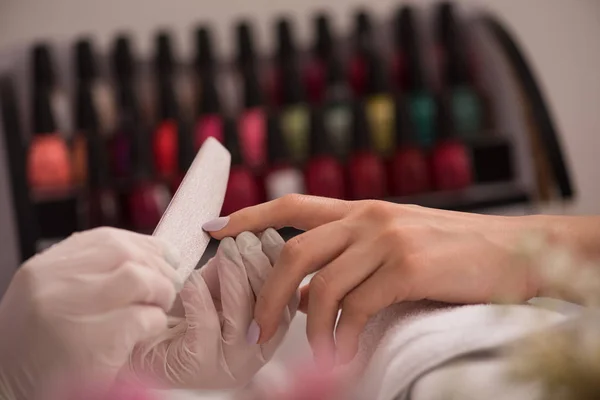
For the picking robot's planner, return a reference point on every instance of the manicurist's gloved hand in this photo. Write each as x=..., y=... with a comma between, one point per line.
x=212, y=343
x=75, y=311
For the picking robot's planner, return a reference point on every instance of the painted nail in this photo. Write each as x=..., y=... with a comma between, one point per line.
x=253, y=333
x=216, y=224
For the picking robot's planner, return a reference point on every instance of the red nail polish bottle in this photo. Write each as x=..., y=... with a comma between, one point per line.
x=324, y=172
x=242, y=188
x=164, y=140
x=147, y=200
x=409, y=168
x=101, y=205
x=450, y=160
x=315, y=73
x=209, y=105
x=281, y=178
x=121, y=141
x=252, y=125
x=357, y=72
x=367, y=176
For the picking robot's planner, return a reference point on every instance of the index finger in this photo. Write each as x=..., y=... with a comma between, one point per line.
x=295, y=210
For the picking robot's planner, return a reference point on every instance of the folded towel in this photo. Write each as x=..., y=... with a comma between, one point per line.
x=405, y=341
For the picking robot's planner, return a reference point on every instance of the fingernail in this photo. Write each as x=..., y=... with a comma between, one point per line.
x=253, y=333
x=216, y=224
x=171, y=254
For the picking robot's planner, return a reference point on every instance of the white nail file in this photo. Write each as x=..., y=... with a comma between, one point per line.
x=198, y=200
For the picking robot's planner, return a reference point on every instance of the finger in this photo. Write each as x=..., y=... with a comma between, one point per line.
x=272, y=244
x=300, y=256
x=258, y=265
x=237, y=298
x=133, y=283
x=379, y=291
x=329, y=287
x=298, y=211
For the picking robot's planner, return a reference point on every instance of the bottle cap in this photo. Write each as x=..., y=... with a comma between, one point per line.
x=85, y=62
x=245, y=44
x=86, y=116
x=277, y=148
x=43, y=119
x=361, y=134
x=251, y=86
x=164, y=61
x=232, y=142
x=209, y=102
x=320, y=143
x=293, y=89
x=43, y=67
x=286, y=48
x=324, y=39
x=407, y=39
x=122, y=58
x=204, y=50
x=450, y=36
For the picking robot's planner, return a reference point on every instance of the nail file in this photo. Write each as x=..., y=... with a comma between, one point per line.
x=198, y=200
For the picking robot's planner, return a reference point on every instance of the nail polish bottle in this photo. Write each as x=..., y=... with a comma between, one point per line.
x=49, y=167
x=421, y=103
x=285, y=54
x=101, y=205
x=363, y=43
x=337, y=109
x=242, y=188
x=282, y=177
x=295, y=114
x=44, y=78
x=451, y=165
x=324, y=172
x=409, y=168
x=209, y=123
x=147, y=200
x=465, y=104
x=367, y=175
x=252, y=121
x=88, y=73
x=129, y=112
x=164, y=140
x=16, y=159
x=380, y=108
x=315, y=73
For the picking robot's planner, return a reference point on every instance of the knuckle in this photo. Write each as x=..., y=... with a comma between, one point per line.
x=375, y=209
x=392, y=236
x=354, y=307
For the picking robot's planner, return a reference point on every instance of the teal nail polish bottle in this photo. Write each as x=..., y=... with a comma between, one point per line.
x=421, y=105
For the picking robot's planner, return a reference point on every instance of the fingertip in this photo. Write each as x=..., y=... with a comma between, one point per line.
x=216, y=225
x=346, y=347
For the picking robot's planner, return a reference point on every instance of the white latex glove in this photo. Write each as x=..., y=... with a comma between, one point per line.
x=212, y=347
x=78, y=309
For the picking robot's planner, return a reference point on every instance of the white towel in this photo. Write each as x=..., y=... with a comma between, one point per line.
x=406, y=341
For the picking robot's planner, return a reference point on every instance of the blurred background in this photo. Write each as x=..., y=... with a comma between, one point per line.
x=480, y=105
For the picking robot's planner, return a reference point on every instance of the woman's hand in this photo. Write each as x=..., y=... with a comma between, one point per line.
x=371, y=254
